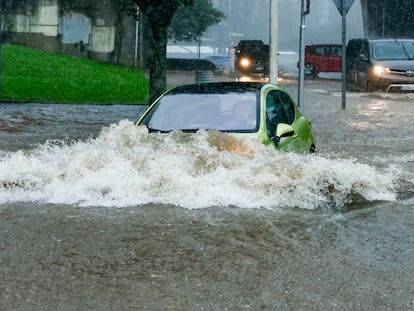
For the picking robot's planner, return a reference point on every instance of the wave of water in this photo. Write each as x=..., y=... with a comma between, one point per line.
x=127, y=166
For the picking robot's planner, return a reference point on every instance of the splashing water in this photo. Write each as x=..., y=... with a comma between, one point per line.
x=127, y=166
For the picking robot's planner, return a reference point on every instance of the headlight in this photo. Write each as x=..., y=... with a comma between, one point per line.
x=244, y=79
x=379, y=70
x=245, y=62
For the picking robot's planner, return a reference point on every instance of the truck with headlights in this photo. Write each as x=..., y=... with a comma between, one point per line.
x=252, y=59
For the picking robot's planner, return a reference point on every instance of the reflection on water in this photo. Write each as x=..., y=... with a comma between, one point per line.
x=27, y=125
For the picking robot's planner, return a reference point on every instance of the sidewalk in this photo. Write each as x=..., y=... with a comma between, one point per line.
x=178, y=77
x=175, y=78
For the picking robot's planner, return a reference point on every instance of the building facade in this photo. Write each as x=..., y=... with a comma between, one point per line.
x=95, y=29
x=388, y=18
x=103, y=30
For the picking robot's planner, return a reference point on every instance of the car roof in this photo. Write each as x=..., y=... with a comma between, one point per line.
x=217, y=87
x=392, y=39
x=383, y=39
x=325, y=44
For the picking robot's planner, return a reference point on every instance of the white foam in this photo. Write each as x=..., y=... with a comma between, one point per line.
x=127, y=166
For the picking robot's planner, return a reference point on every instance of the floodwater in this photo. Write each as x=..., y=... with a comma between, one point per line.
x=96, y=214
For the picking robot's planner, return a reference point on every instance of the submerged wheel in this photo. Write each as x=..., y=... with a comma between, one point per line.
x=309, y=70
x=312, y=149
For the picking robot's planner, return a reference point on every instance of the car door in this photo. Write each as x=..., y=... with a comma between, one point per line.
x=363, y=66
x=352, y=59
x=280, y=110
x=318, y=58
x=325, y=59
x=311, y=60
x=335, y=59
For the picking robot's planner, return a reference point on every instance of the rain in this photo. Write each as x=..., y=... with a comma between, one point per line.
x=101, y=212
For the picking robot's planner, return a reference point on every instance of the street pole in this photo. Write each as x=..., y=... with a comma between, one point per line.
x=137, y=17
x=343, y=55
x=273, y=33
x=1, y=54
x=343, y=7
x=301, y=54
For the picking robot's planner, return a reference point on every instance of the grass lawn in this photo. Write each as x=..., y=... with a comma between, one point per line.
x=38, y=76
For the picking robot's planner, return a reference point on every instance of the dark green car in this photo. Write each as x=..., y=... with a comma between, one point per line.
x=260, y=111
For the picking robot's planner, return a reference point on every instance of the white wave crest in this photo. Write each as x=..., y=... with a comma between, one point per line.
x=127, y=166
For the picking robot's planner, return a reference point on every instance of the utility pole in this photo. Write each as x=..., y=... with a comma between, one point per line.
x=137, y=18
x=273, y=34
x=343, y=7
x=344, y=12
x=303, y=11
x=1, y=54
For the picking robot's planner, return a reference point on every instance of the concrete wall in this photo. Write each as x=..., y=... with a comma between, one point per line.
x=86, y=28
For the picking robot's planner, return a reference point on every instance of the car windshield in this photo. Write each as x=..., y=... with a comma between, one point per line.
x=235, y=112
x=393, y=50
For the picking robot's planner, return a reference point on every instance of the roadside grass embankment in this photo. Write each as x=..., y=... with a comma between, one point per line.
x=30, y=75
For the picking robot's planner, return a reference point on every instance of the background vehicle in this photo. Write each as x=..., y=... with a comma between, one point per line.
x=252, y=58
x=380, y=64
x=222, y=62
x=323, y=58
x=260, y=111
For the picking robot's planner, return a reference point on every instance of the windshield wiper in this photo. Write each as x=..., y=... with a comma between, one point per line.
x=153, y=130
x=409, y=57
x=189, y=130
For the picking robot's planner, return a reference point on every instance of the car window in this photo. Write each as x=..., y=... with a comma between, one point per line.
x=364, y=49
x=184, y=111
x=353, y=49
x=241, y=115
x=325, y=50
x=389, y=50
x=288, y=107
x=409, y=47
x=279, y=109
x=227, y=112
x=319, y=50
x=334, y=50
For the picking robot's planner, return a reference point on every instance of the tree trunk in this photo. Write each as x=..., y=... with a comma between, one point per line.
x=157, y=66
x=159, y=14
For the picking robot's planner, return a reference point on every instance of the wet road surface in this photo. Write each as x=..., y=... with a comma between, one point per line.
x=336, y=238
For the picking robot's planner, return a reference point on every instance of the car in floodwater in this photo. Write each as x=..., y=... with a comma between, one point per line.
x=261, y=111
x=380, y=64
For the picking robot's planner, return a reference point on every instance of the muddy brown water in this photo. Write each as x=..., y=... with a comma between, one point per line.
x=97, y=215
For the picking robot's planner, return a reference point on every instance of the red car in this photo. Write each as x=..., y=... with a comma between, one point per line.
x=323, y=58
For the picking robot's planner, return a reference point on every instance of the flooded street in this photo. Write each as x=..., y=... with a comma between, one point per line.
x=97, y=214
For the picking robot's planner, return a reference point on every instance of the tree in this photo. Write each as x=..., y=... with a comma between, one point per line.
x=199, y=15
x=159, y=14
x=189, y=22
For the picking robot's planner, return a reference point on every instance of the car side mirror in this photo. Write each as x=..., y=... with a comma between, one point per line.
x=283, y=130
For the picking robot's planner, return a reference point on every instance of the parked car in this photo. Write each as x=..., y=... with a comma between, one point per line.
x=260, y=111
x=380, y=64
x=322, y=58
x=222, y=62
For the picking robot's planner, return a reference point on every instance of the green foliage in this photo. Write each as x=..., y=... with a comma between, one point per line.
x=159, y=12
x=189, y=22
x=34, y=75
